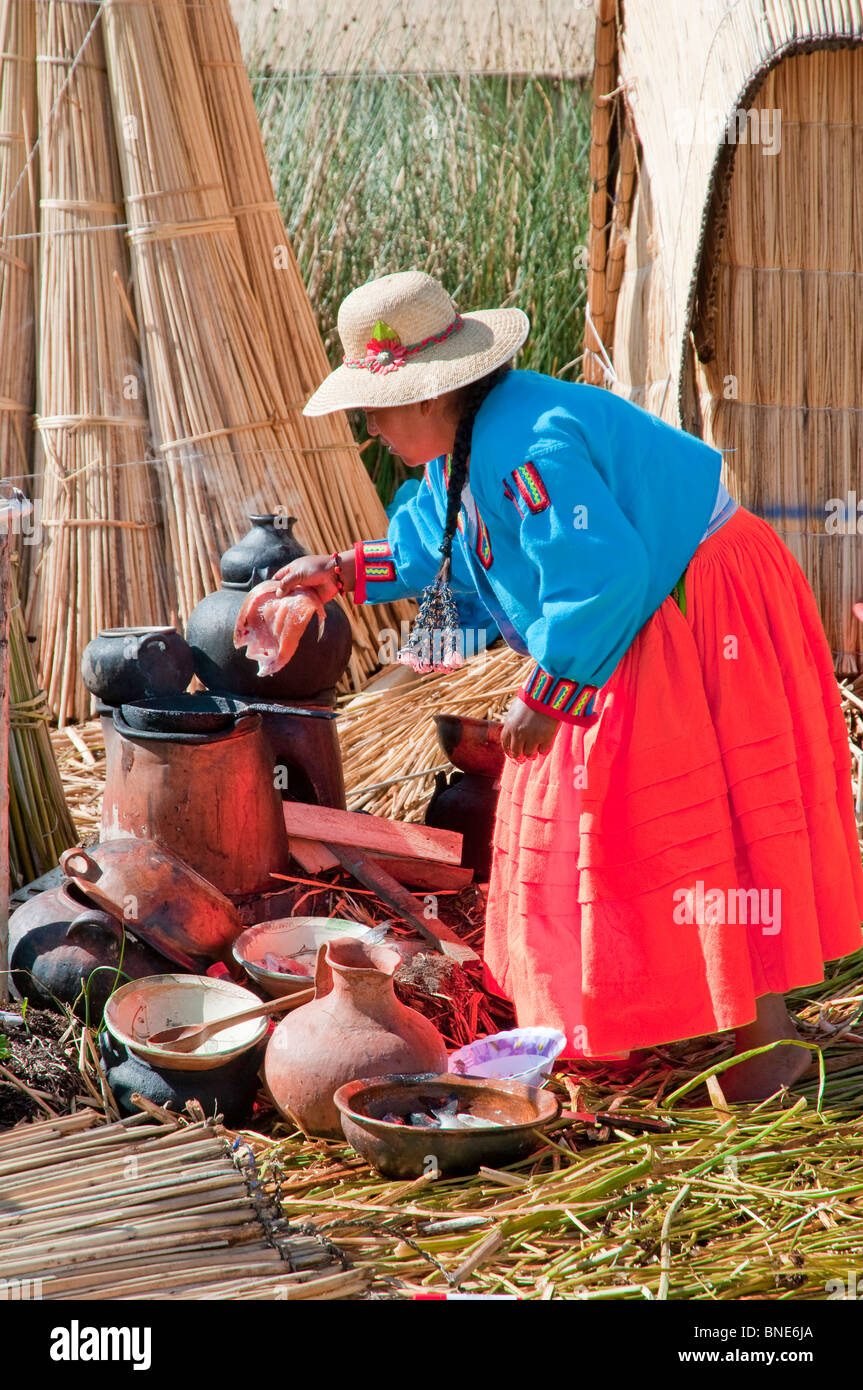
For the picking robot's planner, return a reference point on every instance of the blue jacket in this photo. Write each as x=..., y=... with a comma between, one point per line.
x=581, y=513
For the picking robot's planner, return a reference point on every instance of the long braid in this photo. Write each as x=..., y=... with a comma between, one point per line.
x=435, y=641
x=472, y=398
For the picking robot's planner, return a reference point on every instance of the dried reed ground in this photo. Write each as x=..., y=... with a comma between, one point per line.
x=744, y=1202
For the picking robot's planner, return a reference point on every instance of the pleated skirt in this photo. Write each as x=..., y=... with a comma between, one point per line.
x=695, y=847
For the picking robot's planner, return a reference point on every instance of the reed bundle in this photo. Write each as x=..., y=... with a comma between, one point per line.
x=339, y=492
x=389, y=740
x=148, y=1209
x=102, y=563
x=18, y=220
x=40, y=825
x=219, y=417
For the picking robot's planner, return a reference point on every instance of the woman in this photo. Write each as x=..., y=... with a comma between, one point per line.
x=675, y=845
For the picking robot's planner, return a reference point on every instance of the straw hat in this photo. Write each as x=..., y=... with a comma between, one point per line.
x=405, y=341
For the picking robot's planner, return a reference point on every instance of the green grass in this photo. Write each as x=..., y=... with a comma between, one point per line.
x=482, y=181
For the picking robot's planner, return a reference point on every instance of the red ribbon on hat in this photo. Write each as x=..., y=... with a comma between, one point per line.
x=386, y=353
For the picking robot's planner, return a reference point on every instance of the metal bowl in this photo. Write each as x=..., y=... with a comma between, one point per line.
x=289, y=936
x=401, y=1151
x=146, y=1006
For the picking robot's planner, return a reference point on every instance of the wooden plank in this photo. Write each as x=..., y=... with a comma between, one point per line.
x=375, y=833
x=426, y=874
x=311, y=855
x=431, y=928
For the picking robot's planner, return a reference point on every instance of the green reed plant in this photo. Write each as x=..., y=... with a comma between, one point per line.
x=479, y=180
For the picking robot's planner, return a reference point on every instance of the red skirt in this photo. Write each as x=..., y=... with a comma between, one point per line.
x=695, y=847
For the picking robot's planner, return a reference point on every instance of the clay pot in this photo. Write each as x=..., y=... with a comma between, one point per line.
x=57, y=945
x=355, y=1026
x=162, y=900
x=128, y=663
x=315, y=666
x=208, y=797
x=467, y=801
x=467, y=804
x=228, y=1090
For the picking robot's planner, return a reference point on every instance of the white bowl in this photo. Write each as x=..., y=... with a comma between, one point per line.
x=289, y=936
x=147, y=1006
x=519, y=1054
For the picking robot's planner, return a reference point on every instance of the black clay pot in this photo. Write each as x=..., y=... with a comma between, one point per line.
x=229, y=1090
x=315, y=666
x=467, y=804
x=122, y=664
x=59, y=945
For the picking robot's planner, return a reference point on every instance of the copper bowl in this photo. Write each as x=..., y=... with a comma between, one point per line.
x=402, y=1151
x=472, y=745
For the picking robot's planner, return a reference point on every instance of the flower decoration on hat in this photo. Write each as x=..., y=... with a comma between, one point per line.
x=384, y=350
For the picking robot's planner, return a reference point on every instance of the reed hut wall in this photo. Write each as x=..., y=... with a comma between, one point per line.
x=735, y=313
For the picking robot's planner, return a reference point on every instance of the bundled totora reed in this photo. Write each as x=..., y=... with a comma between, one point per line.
x=40, y=826
x=102, y=563
x=339, y=491
x=18, y=220
x=217, y=408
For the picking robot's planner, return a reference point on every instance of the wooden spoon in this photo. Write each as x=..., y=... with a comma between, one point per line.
x=186, y=1039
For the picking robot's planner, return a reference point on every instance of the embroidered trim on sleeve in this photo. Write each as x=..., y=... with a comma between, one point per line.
x=531, y=487
x=563, y=699
x=375, y=565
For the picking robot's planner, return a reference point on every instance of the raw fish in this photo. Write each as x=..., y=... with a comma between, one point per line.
x=287, y=965
x=446, y=1115
x=270, y=624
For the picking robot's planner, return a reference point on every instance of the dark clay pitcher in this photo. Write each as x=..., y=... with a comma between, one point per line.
x=315, y=666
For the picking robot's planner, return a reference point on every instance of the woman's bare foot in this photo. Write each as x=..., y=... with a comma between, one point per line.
x=623, y=1063
x=760, y=1077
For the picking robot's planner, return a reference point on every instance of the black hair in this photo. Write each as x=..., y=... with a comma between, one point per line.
x=468, y=404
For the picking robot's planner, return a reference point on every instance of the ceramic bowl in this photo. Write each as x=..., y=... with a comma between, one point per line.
x=401, y=1151
x=289, y=936
x=520, y=1054
x=147, y=1006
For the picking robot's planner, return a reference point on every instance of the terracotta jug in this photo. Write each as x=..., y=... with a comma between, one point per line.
x=354, y=1027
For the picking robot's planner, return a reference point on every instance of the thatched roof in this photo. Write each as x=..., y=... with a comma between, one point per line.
x=552, y=37
x=686, y=68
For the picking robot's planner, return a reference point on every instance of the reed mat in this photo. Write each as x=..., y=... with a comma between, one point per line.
x=151, y=1207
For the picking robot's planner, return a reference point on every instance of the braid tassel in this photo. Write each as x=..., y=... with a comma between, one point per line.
x=435, y=640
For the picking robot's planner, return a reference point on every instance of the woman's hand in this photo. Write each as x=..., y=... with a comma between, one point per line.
x=316, y=572
x=526, y=732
